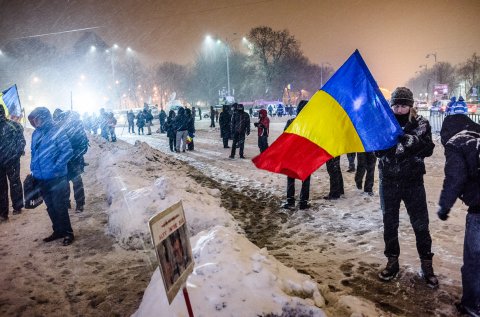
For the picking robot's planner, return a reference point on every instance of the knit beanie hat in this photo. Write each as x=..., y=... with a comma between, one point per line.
x=402, y=96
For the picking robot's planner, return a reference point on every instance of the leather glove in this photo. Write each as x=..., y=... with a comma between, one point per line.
x=443, y=213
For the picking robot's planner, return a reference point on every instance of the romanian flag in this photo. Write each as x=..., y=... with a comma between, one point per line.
x=11, y=102
x=349, y=114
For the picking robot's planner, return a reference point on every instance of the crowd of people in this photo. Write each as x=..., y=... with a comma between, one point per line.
x=59, y=143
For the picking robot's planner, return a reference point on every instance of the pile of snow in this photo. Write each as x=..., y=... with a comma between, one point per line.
x=232, y=277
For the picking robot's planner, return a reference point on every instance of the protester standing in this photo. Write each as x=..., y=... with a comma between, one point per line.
x=240, y=128
x=12, y=146
x=171, y=132
x=225, y=129
x=212, y=117
x=401, y=170
x=131, y=122
x=190, y=129
x=336, y=179
x=51, y=152
x=181, y=126
x=305, y=190
x=140, y=122
x=461, y=138
x=262, y=125
x=162, y=117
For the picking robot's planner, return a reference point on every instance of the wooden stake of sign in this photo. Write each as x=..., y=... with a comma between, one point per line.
x=187, y=301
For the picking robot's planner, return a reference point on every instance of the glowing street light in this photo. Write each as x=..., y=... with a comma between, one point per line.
x=36, y=79
x=129, y=49
x=93, y=48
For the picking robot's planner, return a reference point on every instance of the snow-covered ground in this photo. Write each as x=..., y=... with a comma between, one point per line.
x=322, y=261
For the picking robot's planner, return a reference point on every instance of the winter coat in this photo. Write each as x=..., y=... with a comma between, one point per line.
x=240, y=123
x=263, y=123
x=51, y=152
x=403, y=163
x=224, y=120
x=162, y=117
x=461, y=139
x=140, y=120
x=181, y=121
x=130, y=117
x=12, y=141
x=191, y=126
x=147, y=114
x=170, y=127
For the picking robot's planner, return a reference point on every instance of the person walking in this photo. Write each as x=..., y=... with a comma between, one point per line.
x=401, y=170
x=240, y=128
x=12, y=147
x=51, y=152
x=103, y=122
x=225, y=121
x=305, y=190
x=131, y=122
x=170, y=129
x=460, y=137
x=162, y=117
x=263, y=125
x=212, y=117
x=181, y=126
x=365, y=163
x=69, y=123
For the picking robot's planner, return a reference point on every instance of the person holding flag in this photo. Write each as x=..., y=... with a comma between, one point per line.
x=401, y=170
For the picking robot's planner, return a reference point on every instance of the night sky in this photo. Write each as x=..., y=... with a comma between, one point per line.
x=394, y=37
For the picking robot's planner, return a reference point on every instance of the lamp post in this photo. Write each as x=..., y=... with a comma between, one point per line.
x=428, y=78
x=434, y=56
x=321, y=72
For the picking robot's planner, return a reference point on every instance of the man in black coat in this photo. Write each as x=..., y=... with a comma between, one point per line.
x=131, y=122
x=70, y=123
x=162, y=117
x=212, y=117
x=461, y=139
x=12, y=146
x=401, y=170
x=225, y=129
x=240, y=128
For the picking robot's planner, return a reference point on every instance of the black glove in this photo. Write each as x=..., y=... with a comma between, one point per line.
x=256, y=124
x=443, y=213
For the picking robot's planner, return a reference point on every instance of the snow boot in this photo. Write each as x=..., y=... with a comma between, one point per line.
x=428, y=274
x=391, y=270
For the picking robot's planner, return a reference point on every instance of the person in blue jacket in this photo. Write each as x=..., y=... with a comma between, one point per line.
x=51, y=151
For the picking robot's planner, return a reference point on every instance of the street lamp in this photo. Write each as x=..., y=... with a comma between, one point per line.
x=321, y=72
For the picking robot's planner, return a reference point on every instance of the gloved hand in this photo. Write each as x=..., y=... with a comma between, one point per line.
x=255, y=124
x=443, y=213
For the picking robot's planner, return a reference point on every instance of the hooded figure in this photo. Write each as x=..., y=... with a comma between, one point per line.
x=12, y=146
x=225, y=128
x=51, y=152
x=262, y=126
x=461, y=139
x=240, y=128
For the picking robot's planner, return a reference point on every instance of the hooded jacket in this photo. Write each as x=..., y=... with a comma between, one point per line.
x=51, y=149
x=263, y=123
x=224, y=120
x=461, y=138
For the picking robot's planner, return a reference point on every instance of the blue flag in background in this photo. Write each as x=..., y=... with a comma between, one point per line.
x=11, y=102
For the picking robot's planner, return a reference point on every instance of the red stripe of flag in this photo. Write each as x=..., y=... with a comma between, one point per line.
x=292, y=155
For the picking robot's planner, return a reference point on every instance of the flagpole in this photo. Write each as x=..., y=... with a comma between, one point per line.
x=20, y=103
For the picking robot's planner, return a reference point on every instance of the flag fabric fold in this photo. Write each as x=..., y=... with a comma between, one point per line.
x=349, y=114
x=11, y=102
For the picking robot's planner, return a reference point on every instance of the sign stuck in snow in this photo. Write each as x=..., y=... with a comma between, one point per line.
x=172, y=245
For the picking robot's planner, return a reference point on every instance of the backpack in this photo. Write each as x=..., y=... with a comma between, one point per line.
x=32, y=193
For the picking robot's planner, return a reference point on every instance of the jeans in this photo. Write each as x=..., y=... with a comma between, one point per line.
x=131, y=127
x=54, y=192
x=413, y=195
x=181, y=140
x=471, y=263
x=366, y=162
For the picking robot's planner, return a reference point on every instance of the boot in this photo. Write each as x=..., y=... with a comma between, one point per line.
x=428, y=275
x=391, y=270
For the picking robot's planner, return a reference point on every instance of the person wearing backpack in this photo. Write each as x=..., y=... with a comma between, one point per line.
x=12, y=146
x=461, y=138
x=70, y=123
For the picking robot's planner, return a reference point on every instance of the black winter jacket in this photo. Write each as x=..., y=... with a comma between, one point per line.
x=240, y=123
x=403, y=163
x=225, y=120
x=461, y=139
x=12, y=141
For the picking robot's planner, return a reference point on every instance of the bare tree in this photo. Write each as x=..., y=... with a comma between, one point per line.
x=469, y=72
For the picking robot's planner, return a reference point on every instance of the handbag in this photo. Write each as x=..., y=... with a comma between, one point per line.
x=31, y=192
